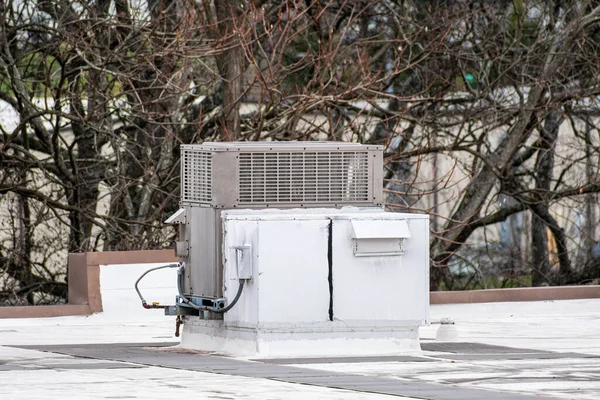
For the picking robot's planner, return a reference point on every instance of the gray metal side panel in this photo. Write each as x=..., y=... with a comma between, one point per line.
x=219, y=253
x=203, y=262
x=377, y=182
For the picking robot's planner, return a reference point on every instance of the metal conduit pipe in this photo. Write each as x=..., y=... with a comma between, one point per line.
x=233, y=302
x=144, y=302
x=205, y=308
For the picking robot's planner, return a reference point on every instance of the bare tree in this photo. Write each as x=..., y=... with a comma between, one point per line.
x=470, y=100
x=523, y=66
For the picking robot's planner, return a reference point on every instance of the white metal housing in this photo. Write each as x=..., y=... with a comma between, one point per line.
x=310, y=293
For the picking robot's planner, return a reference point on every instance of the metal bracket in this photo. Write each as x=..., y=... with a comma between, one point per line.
x=183, y=309
x=182, y=248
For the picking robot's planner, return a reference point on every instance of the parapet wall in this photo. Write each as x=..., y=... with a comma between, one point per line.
x=516, y=294
x=92, y=290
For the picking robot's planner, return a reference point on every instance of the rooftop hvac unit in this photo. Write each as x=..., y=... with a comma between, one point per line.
x=286, y=250
x=250, y=175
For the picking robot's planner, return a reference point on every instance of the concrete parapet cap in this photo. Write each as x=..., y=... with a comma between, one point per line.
x=516, y=294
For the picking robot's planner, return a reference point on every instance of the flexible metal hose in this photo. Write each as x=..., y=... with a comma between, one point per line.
x=144, y=303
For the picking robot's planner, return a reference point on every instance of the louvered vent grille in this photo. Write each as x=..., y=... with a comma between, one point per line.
x=310, y=177
x=196, y=179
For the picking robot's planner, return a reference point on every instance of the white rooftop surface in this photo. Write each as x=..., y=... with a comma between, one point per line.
x=564, y=326
x=561, y=326
x=36, y=382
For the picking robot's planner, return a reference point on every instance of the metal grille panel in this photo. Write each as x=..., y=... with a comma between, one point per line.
x=304, y=177
x=196, y=175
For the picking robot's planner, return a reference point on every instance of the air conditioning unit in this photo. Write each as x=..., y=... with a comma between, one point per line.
x=286, y=249
x=260, y=175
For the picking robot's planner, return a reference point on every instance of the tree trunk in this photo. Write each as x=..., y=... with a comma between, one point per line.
x=590, y=199
x=25, y=245
x=230, y=64
x=89, y=134
x=544, y=165
x=540, y=264
x=565, y=271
